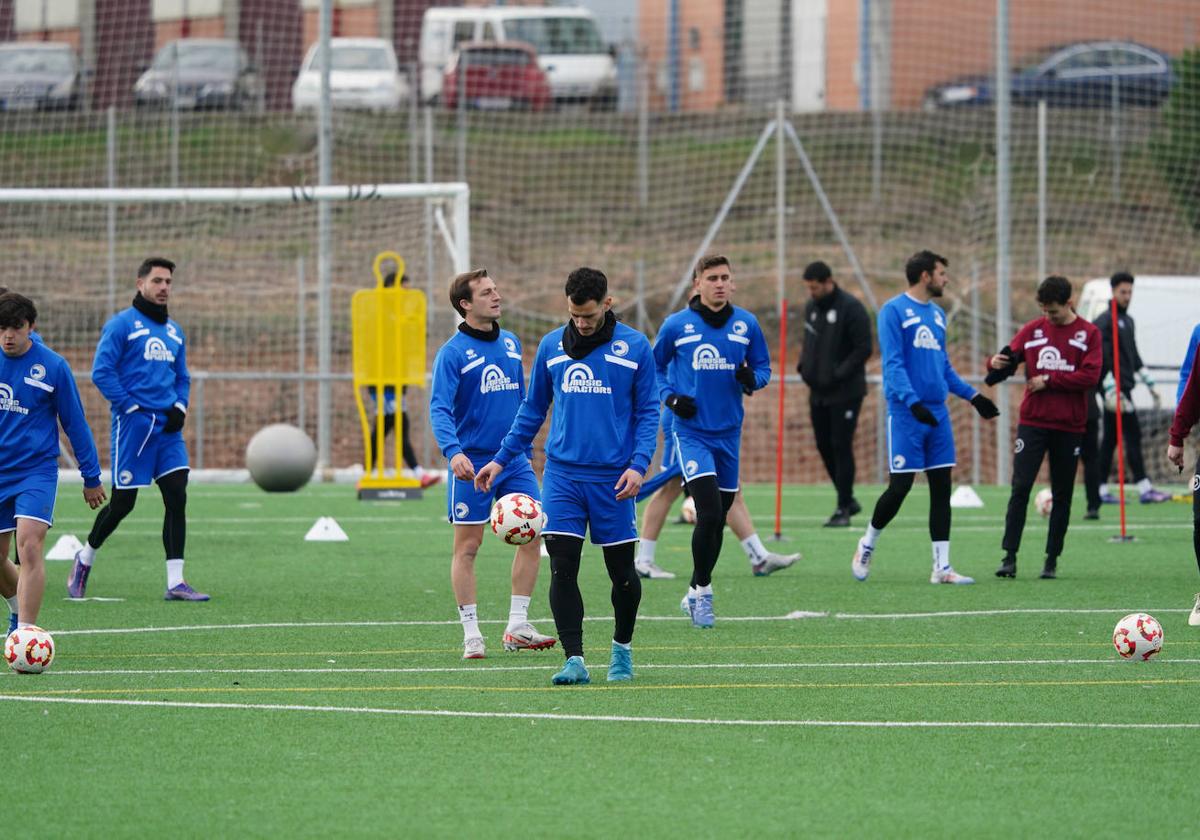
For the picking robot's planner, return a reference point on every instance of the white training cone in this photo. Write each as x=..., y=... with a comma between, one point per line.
x=326, y=529
x=65, y=548
x=965, y=497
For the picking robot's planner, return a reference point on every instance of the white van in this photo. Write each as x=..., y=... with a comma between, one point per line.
x=1165, y=309
x=578, y=64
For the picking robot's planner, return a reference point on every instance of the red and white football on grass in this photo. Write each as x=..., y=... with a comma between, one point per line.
x=1138, y=636
x=29, y=650
x=517, y=518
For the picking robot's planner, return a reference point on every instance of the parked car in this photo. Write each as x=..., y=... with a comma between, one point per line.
x=579, y=65
x=363, y=74
x=497, y=76
x=38, y=76
x=1081, y=74
x=196, y=74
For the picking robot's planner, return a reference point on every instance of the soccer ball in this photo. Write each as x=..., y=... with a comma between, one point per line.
x=688, y=511
x=29, y=650
x=517, y=518
x=1044, y=501
x=1138, y=636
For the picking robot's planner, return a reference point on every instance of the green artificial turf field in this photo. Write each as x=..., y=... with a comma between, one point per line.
x=321, y=693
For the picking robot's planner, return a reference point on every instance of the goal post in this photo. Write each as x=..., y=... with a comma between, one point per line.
x=252, y=272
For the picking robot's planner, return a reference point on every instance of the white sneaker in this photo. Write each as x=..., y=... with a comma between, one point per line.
x=773, y=563
x=948, y=575
x=652, y=570
x=687, y=605
x=1194, y=618
x=861, y=564
x=526, y=637
x=474, y=648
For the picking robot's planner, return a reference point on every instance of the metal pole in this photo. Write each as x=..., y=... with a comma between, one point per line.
x=1041, y=191
x=414, y=125
x=976, y=441
x=111, y=164
x=301, y=340
x=430, y=254
x=1003, y=223
x=643, y=189
x=175, y=115
x=1115, y=139
x=673, y=56
x=324, y=244
x=261, y=99
x=462, y=116
x=780, y=302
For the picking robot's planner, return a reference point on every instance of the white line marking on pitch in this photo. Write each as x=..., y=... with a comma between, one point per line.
x=97, y=631
x=368, y=710
x=1118, y=663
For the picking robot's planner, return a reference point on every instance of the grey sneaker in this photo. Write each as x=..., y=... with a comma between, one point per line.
x=652, y=570
x=526, y=637
x=773, y=563
x=474, y=648
x=948, y=575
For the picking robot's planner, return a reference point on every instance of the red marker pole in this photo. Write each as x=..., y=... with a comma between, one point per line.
x=1116, y=333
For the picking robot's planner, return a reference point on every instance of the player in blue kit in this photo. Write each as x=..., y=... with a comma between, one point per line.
x=37, y=392
x=719, y=356
x=600, y=376
x=917, y=377
x=478, y=385
x=141, y=369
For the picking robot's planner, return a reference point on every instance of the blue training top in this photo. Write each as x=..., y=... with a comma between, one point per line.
x=912, y=343
x=141, y=363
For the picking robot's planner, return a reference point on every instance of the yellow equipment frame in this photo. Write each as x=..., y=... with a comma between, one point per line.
x=387, y=328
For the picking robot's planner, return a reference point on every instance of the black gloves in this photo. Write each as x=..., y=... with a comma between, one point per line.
x=175, y=418
x=745, y=377
x=683, y=406
x=986, y=408
x=923, y=414
x=995, y=376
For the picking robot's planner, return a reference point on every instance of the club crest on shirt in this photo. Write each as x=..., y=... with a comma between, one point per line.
x=620, y=348
x=37, y=372
x=510, y=345
x=740, y=327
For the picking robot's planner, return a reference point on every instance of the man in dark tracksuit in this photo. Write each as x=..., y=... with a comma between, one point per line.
x=837, y=344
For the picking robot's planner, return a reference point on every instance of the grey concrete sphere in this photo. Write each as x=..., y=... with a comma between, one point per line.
x=281, y=458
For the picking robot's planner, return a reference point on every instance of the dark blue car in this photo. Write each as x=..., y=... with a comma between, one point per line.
x=1079, y=75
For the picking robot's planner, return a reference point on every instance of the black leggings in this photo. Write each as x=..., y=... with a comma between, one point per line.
x=173, y=487
x=712, y=504
x=939, y=502
x=406, y=449
x=1032, y=445
x=566, y=601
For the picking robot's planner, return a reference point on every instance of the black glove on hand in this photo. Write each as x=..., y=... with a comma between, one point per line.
x=683, y=406
x=745, y=377
x=995, y=376
x=986, y=408
x=175, y=418
x=923, y=414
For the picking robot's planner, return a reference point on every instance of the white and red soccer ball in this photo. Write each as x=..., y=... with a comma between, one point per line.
x=517, y=518
x=1044, y=501
x=1138, y=636
x=29, y=650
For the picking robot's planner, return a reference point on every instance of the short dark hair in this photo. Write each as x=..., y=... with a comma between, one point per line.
x=711, y=261
x=1119, y=278
x=818, y=271
x=921, y=262
x=1054, y=289
x=460, y=288
x=154, y=262
x=16, y=310
x=584, y=284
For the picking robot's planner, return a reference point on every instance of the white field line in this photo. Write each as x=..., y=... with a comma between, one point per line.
x=101, y=631
x=445, y=713
x=101, y=672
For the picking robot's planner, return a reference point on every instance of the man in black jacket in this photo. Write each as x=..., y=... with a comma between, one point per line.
x=837, y=344
x=1131, y=365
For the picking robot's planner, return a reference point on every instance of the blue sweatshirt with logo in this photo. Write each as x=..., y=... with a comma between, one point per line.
x=141, y=364
x=477, y=388
x=605, y=416
x=912, y=343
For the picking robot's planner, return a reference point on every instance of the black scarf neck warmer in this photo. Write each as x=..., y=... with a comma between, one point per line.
x=714, y=318
x=482, y=335
x=154, y=311
x=577, y=346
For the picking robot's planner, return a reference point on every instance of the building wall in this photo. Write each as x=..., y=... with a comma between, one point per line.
x=701, y=63
x=351, y=19
x=842, y=73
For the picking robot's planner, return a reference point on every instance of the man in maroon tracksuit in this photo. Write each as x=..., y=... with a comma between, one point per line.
x=1186, y=415
x=1062, y=357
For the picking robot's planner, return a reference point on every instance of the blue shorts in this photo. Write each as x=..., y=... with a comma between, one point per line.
x=141, y=452
x=914, y=446
x=709, y=456
x=669, y=458
x=575, y=507
x=467, y=506
x=32, y=497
